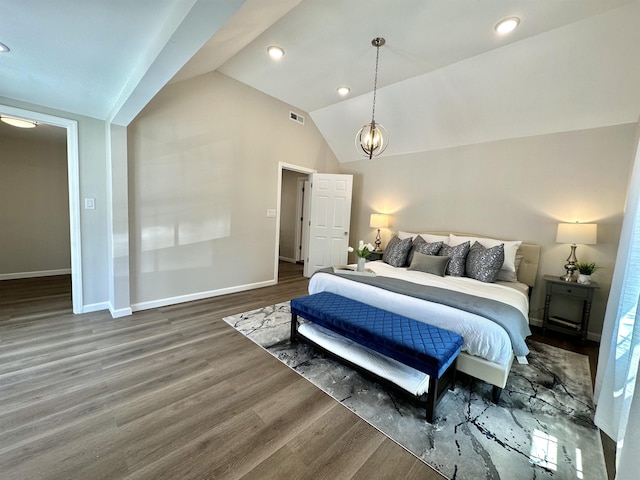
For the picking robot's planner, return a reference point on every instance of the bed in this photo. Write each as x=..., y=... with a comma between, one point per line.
x=488, y=350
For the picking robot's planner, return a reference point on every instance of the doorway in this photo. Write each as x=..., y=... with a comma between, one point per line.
x=326, y=218
x=73, y=162
x=290, y=237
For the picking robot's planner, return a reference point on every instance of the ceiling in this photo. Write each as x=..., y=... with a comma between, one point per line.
x=445, y=77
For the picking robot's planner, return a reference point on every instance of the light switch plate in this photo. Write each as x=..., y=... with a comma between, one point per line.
x=271, y=212
x=89, y=203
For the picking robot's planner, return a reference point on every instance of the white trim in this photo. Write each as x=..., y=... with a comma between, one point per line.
x=73, y=171
x=163, y=302
x=94, y=307
x=536, y=322
x=295, y=168
x=40, y=273
x=299, y=217
x=121, y=312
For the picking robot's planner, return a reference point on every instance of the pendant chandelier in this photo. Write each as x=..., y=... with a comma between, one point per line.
x=372, y=139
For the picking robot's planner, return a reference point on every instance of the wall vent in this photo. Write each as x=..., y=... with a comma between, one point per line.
x=296, y=117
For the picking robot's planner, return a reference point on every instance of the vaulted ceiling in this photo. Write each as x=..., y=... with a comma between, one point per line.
x=445, y=77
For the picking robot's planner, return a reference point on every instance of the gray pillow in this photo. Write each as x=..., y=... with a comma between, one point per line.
x=433, y=264
x=395, y=254
x=484, y=263
x=422, y=246
x=458, y=256
x=506, y=275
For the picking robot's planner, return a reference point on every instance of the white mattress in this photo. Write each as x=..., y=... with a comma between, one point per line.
x=481, y=337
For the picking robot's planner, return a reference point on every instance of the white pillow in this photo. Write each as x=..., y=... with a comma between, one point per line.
x=510, y=248
x=429, y=238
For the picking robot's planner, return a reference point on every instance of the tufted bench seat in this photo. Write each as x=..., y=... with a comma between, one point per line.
x=424, y=347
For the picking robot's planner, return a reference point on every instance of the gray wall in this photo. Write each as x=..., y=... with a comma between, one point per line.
x=203, y=170
x=34, y=204
x=514, y=189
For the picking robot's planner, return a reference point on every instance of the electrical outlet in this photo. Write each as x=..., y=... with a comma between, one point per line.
x=271, y=212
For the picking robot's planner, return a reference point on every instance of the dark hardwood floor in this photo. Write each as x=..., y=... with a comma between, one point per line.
x=172, y=393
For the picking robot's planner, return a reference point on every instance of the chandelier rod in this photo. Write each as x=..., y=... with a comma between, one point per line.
x=376, y=42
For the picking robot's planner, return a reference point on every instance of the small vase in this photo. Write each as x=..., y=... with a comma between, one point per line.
x=584, y=279
x=361, y=262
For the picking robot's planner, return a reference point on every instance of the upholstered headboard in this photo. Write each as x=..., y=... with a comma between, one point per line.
x=530, y=252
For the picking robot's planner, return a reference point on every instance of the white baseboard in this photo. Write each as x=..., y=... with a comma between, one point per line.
x=287, y=259
x=121, y=312
x=95, y=307
x=40, y=273
x=163, y=302
x=537, y=322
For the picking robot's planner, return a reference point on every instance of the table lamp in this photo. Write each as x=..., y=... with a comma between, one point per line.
x=574, y=233
x=378, y=220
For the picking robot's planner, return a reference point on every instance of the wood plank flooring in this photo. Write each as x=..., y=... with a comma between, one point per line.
x=171, y=393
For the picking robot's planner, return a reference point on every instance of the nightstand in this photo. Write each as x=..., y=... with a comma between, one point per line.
x=577, y=292
x=375, y=256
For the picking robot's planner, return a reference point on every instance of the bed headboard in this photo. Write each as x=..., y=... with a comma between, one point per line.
x=528, y=271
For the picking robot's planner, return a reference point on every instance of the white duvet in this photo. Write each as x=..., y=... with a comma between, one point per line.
x=481, y=337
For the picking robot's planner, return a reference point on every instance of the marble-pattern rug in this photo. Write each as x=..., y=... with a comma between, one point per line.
x=542, y=427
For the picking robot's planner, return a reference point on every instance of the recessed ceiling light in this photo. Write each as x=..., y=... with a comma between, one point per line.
x=507, y=25
x=343, y=91
x=3, y=48
x=18, y=122
x=275, y=52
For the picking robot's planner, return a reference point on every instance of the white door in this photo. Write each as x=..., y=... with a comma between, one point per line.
x=329, y=220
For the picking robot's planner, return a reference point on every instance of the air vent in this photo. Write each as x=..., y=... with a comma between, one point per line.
x=296, y=117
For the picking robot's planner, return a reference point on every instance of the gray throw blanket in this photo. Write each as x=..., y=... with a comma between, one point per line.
x=508, y=317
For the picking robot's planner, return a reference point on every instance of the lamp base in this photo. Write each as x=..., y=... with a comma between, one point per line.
x=568, y=277
x=378, y=242
x=570, y=266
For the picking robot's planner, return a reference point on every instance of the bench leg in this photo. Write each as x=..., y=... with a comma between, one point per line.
x=495, y=394
x=432, y=397
x=454, y=375
x=294, y=327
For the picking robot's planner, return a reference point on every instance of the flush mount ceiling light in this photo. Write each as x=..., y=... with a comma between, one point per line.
x=18, y=122
x=275, y=52
x=343, y=91
x=507, y=25
x=372, y=139
x=3, y=48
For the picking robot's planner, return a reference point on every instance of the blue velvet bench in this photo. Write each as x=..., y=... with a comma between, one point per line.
x=426, y=348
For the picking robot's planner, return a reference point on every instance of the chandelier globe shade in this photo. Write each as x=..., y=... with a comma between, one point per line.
x=372, y=139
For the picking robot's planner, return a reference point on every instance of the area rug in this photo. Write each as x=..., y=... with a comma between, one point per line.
x=542, y=427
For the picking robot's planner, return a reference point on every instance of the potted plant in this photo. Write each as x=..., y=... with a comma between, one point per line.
x=363, y=251
x=585, y=270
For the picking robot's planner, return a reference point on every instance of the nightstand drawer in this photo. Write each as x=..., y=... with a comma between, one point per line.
x=571, y=290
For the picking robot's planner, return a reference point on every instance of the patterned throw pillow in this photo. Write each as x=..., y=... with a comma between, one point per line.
x=458, y=255
x=484, y=263
x=395, y=254
x=422, y=246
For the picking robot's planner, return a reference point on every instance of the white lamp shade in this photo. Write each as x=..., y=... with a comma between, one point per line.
x=379, y=220
x=577, y=233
